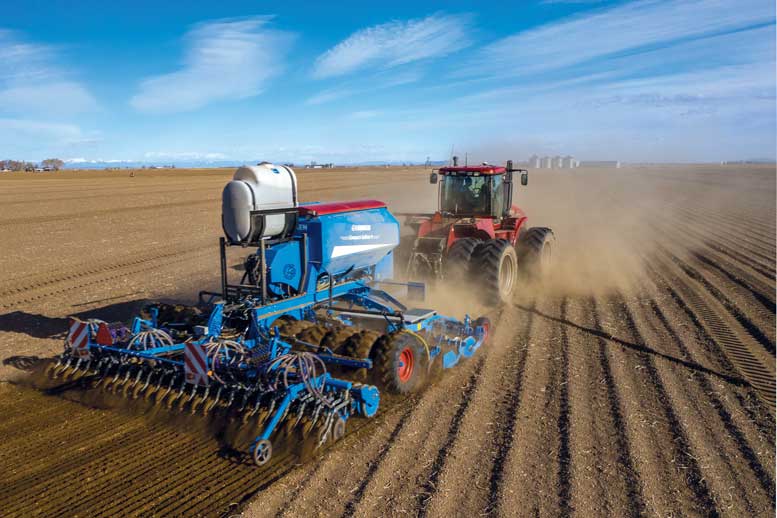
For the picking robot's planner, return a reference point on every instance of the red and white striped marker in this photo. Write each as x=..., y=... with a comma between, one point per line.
x=78, y=338
x=195, y=364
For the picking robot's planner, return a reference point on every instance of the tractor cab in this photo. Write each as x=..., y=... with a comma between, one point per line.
x=483, y=191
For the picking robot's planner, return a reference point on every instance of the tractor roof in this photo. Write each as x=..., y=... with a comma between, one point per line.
x=482, y=169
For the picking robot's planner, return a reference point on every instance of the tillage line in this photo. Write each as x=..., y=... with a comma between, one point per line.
x=631, y=476
x=766, y=481
x=760, y=378
x=505, y=435
x=753, y=398
x=429, y=489
x=25, y=297
x=564, y=454
x=680, y=440
x=730, y=306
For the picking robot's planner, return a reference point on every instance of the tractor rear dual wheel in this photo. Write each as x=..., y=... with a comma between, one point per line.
x=535, y=251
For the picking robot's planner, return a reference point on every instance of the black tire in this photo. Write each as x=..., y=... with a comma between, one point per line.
x=312, y=334
x=292, y=327
x=535, y=251
x=359, y=346
x=457, y=262
x=389, y=369
x=336, y=338
x=496, y=266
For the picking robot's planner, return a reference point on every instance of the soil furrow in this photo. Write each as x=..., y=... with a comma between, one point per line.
x=735, y=311
x=429, y=488
x=528, y=482
x=564, y=454
x=679, y=437
x=629, y=472
x=765, y=297
x=765, y=479
x=463, y=485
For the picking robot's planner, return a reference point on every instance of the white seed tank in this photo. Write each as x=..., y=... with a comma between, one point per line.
x=263, y=187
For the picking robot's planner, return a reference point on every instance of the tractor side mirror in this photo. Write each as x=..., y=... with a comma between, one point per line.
x=525, y=178
x=433, y=178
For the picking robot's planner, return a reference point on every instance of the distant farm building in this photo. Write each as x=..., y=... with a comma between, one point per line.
x=569, y=162
x=556, y=162
x=315, y=165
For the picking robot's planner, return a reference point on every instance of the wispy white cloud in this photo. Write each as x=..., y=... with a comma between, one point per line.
x=225, y=60
x=371, y=83
x=628, y=28
x=692, y=67
x=34, y=82
x=395, y=43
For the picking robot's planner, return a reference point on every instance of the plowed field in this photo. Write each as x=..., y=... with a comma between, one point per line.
x=639, y=379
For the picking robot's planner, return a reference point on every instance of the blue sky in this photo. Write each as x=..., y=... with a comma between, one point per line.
x=645, y=80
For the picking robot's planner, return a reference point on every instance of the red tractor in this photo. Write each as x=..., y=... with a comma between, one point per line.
x=477, y=233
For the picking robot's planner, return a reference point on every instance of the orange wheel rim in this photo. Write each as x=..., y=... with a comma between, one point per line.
x=405, y=368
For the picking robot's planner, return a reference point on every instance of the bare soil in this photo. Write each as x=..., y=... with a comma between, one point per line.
x=637, y=380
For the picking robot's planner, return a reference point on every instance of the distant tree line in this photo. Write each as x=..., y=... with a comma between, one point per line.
x=50, y=164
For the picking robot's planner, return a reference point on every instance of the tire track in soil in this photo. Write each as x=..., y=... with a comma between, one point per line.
x=749, y=357
x=732, y=485
x=765, y=479
x=730, y=306
x=463, y=485
x=705, y=503
x=751, y=404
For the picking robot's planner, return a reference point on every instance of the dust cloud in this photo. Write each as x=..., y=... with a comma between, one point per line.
x=604, y=222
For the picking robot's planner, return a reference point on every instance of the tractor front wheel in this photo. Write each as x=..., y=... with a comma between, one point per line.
x=496, y=264
x=457, y=262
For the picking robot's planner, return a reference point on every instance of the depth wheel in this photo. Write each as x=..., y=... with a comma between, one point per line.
x=496, y=264
x=262, y=452
x=338, y=429
x=400, y=363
